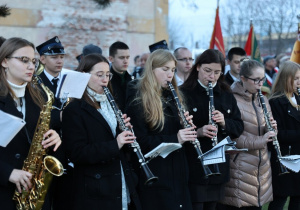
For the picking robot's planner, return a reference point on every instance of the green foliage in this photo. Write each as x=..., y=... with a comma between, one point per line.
x=265, y=207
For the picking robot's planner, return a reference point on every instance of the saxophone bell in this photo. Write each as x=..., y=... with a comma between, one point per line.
x=41, y=167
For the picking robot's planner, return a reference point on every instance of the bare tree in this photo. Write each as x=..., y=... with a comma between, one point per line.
x=4, y=11
x=275, y=19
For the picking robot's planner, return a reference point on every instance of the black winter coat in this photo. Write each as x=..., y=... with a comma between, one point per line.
x=171, y=190
x=288, y=124
x=119, y=85
x=197, y=102
x=13, y=155
x=91, y=146
x=229, y=79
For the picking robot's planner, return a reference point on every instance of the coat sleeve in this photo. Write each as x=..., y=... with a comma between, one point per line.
x=234, y=125
x=285, y=135
x=250, y=141
x=79, y=148
x=147, y=140
x=5, y=173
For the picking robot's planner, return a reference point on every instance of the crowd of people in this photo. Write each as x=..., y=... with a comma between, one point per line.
x=102, y=170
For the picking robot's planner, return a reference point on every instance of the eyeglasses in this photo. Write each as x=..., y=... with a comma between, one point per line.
x=27, y=60
x=186, y=59
x=257, y=81
x=102, y=76
x=209, y=72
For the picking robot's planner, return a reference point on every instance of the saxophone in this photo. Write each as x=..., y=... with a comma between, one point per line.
x=41, y=167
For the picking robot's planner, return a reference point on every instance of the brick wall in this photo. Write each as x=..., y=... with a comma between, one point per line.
x=81, y=22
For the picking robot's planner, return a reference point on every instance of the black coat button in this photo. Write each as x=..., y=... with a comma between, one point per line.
x=17, y=156
x=97, y=176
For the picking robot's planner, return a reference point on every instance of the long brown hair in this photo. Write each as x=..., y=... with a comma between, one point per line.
x=86, y=65
x=6, y=50
x=284, y=81
x=150, y=91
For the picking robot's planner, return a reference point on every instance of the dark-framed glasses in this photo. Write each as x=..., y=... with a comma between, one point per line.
x=186, y=59
x=26, y=60
x=257, y=81
x=102, y=76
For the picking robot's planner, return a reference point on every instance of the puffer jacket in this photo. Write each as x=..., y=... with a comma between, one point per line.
x=251, y=178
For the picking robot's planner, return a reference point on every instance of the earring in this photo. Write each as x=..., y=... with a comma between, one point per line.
x=6, y=69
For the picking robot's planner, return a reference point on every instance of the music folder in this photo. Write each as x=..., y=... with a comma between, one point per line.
x=163, y=150
x=9, y=126
x=72, y=85
x=292, y=162
x=217, y=153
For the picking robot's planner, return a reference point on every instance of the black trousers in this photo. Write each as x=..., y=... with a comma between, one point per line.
x=278, y=203
x=204, y=206
x=242, y=208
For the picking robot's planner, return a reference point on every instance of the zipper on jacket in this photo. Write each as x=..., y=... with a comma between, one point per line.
x=259, y=162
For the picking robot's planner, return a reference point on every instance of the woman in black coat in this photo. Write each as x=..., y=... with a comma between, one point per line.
x=19, y=97
x=209, y=67
x=155, y=120
x=284, y=103
x=102, y=177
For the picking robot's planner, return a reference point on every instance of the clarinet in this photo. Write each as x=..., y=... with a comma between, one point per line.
x=212, y=122
x=186, y=124
x=283, y=169
x=150, y=178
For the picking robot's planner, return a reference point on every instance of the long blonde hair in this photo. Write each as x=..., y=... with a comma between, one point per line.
x=150, y=91
x=284, y=81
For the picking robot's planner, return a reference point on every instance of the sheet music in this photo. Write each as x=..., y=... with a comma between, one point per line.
x=292, y=162
x=214, y=156
x=9, y=126
x=163, y=150
x=73, y=84
x=217, y=153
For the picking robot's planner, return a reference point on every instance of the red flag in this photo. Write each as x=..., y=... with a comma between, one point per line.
x=248, y=45
x=217, y=37
x=251, y=46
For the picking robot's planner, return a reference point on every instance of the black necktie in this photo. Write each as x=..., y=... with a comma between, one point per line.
x=54, y=82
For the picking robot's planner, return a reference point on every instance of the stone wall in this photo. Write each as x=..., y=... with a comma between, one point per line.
x=138, y=23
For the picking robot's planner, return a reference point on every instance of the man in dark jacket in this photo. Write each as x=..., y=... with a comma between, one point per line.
x=52, y=57
x=119, y=57
x=235, y=55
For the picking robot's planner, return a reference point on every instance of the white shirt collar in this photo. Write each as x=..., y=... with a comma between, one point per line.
x=50, y=77
x=179, y=81
x=233, y=77
x=205, y=87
